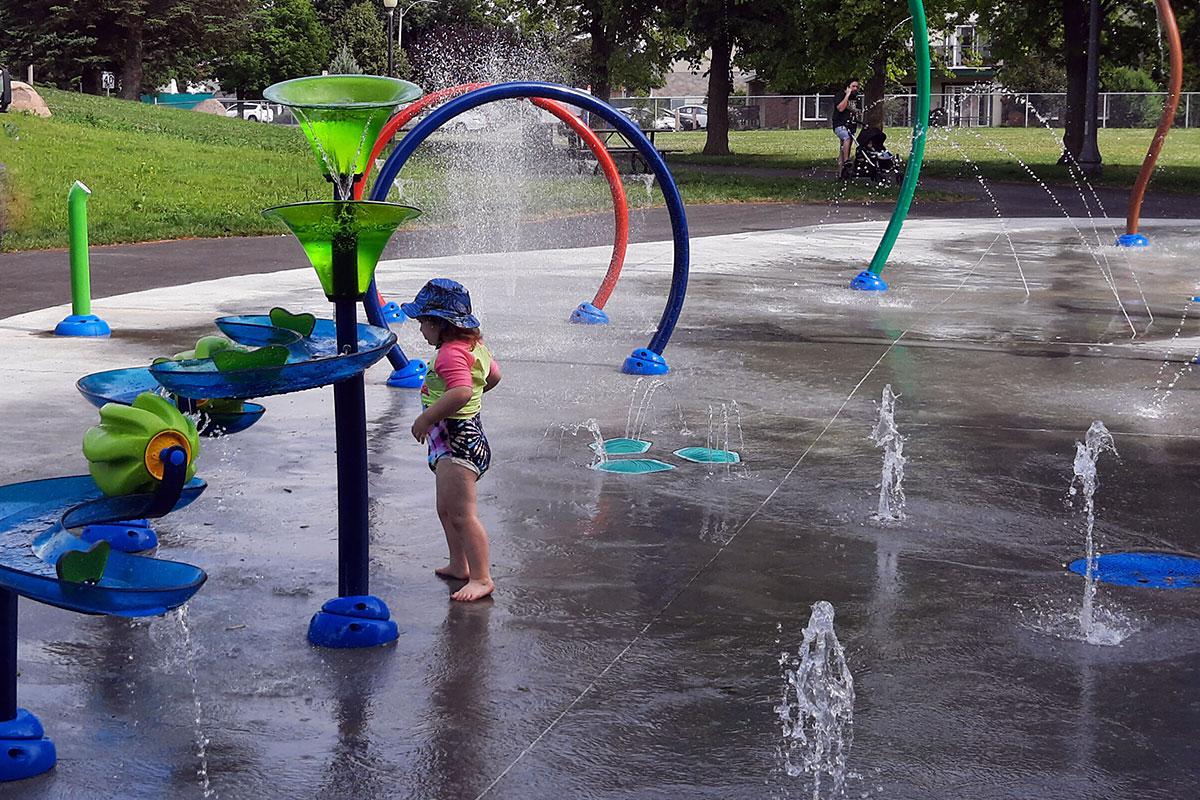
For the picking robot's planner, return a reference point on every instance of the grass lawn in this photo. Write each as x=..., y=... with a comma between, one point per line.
x=994, y=150
x=161, y=173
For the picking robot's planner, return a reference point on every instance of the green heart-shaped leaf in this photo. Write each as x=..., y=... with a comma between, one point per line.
x=271, y=357
x=83, y=566
x=302, y=324
x=207, y=345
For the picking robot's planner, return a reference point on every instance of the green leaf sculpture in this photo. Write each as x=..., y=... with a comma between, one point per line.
x=83, y=566
x=271, y=357
x=302, y=324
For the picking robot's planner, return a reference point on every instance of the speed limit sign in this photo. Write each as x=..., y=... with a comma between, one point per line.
x=108, y=80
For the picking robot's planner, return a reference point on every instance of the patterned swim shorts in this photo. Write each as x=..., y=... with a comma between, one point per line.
x=463, y=442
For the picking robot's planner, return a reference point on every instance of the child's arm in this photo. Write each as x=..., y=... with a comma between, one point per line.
x=449, y=403
x=493, y=378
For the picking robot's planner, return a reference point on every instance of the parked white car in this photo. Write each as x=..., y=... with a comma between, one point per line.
x=253, y=110
x=692, y=117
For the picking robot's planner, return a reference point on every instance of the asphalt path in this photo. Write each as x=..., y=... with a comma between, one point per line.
x=39, y=279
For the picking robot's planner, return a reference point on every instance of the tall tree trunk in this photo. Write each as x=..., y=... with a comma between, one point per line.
x=601, y=50
x=1075, y=37
x=91, y=80
x=720, y=84
x=131, y=70
x=876, y=85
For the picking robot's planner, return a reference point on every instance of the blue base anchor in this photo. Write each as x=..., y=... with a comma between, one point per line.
x=24, y=749
x=356, y=621
x=410, y=376
x=645, y=362
x=82, y=325
x=1133, y=240
x=588, y=314
x=867, y=281
x=133, y=536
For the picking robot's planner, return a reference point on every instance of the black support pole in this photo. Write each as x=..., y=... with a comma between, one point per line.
x=8, y=655
x=350, y=420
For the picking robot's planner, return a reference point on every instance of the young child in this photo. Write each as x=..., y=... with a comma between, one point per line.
x=458, y=449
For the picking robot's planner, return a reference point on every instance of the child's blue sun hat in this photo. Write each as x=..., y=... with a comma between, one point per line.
x=444, y=298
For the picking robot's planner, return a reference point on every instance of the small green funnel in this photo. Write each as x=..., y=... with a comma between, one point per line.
x=342, y=115
x=343, y=239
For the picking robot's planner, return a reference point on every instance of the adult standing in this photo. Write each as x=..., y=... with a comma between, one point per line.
x=844, y=120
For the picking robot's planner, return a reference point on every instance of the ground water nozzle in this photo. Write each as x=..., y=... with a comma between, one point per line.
x=81, y=321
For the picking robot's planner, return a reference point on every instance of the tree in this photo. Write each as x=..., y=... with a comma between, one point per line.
x=145, y=41
x=282, y=40
x=361, y=30
x=719, y=29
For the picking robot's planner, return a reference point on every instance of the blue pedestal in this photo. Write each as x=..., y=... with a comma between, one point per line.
x=133, y=536
x=82, y=325
x=1133, y=240
x=391, y=313
x=357, y=621
x=410, y=376
x=588, y=314
x=645, y=362
x=867, y=281
x=24, y=749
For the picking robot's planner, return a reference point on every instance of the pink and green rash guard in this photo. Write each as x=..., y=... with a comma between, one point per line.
x=458, y=363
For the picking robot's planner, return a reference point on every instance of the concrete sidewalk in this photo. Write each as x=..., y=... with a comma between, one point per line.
x=633, y=648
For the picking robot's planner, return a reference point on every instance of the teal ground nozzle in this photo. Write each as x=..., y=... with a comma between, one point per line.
x=81, y=321
x=342, y=114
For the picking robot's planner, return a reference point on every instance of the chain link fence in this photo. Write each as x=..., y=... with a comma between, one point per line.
x=956, y=109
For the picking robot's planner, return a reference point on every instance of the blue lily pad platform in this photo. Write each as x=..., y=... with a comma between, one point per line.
x=34, y=521
x=312, y=361
x=622, y=447
x=633, y=466
x=707, y=455
x=1151, y=570
x=124, y=385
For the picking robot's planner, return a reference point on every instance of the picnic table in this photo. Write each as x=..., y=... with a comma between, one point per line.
x=624, y=154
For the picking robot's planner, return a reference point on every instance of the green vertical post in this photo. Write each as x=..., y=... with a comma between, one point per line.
x=81, y=279
x=869, y=279
x=81, y=322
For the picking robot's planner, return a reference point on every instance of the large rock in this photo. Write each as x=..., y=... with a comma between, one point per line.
x=210, y=106
x=24, y=98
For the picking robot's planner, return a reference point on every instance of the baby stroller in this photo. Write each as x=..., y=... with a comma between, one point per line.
x=872, y=159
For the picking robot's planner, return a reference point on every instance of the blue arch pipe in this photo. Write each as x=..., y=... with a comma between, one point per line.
x=643, y=361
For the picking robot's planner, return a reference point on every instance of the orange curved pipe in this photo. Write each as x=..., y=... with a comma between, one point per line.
x=1167, y=16
x=589, y=137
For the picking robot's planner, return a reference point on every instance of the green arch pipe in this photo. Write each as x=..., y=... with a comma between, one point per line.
x=869, y=279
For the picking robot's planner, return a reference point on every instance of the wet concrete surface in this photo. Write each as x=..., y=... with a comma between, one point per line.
x=632, y=649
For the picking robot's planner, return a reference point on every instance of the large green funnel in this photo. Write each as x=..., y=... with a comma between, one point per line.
x=343, y=239
x=342, y=114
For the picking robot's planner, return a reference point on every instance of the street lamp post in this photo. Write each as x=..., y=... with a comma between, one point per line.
x=400, y=22
x=390, y=5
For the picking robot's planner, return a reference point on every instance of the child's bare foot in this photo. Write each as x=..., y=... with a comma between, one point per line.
x=453, y=572
x=474, y=590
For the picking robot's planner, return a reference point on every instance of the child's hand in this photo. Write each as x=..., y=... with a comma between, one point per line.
x=420, y=428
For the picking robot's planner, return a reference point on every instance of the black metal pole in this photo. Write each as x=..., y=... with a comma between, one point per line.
x=8, y=655
x=391, y=43
x=1089, y=151
x=350, y=424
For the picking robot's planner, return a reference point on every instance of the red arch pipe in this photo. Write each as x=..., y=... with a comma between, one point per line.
x=1167, y=16
x=589, y=137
